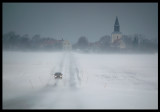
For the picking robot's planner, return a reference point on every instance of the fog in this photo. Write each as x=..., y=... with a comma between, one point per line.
x=107, y=54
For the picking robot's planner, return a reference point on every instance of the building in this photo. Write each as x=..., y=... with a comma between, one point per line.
x=117, y=36
x=67, y=45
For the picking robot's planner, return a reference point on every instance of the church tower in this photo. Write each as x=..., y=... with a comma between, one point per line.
x=116, y=26
x=116, y=35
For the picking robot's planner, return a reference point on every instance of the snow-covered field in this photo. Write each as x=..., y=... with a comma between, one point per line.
x=90, y=81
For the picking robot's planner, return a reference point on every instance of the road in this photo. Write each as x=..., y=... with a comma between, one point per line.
x=57, y=93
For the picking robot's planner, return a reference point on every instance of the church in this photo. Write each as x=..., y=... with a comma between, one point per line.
x=116, y=36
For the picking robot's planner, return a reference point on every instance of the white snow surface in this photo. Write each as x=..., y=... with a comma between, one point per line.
x=90, y=81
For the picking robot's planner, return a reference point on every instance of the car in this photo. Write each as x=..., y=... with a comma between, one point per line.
x=58, y=75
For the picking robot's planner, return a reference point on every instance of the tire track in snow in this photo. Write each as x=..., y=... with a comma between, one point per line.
x=58, y=68
x=53, y=96
x=75, y=79
x=71, y=75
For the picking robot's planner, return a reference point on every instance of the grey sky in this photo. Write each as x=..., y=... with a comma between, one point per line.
x=72, y=20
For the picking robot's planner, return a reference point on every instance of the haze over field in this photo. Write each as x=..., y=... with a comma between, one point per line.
x=90, y=81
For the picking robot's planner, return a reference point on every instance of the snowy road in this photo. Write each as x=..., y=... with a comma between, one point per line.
x=56, y=93
x=88, y=81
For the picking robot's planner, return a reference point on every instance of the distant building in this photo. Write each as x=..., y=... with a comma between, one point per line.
x=67, y=45
x=117, y=36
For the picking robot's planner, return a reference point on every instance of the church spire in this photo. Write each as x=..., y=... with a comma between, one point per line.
x=116, y=25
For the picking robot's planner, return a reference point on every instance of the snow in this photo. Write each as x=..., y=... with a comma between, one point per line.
x=90, y=81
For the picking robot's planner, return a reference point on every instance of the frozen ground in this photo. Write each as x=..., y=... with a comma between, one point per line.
x=90, y=81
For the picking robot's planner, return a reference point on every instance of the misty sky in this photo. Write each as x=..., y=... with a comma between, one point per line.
x=72, y=20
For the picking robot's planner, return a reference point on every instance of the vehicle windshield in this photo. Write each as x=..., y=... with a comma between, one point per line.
x=58, y=74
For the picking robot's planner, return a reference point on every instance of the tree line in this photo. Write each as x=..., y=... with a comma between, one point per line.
x=137, y=43
x=13, y=41
x=133, y=43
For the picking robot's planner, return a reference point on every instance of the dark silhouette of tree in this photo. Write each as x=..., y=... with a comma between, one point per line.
x=137, y=42
x=35, y=42
x=104, y=43
x=10, y=40
x=25, y=42
x=82, y=43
